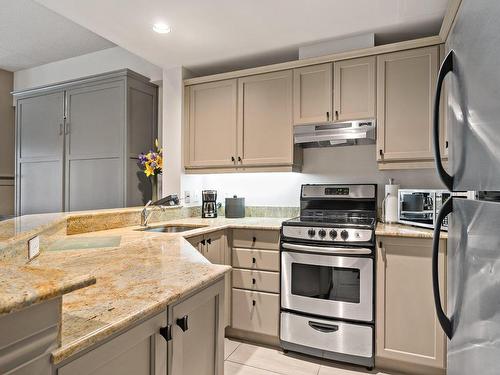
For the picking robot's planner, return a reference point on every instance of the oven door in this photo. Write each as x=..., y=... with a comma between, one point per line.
x=331, y=286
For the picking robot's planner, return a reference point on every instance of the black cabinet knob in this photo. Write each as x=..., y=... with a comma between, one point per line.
x=233, y=159
x=209, y=241
x=183, y=323
x=253, y=281
x=202, y=242
x=254, y=239
x=253, y=302
x=166, y=332
x=254, y=260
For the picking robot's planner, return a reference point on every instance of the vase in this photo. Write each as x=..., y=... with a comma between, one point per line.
x=154, y=187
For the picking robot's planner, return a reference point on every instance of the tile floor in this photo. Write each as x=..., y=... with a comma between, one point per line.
x=246, y=359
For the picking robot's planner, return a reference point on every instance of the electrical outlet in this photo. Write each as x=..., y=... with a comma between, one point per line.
x=187, y=196
x=33, y=247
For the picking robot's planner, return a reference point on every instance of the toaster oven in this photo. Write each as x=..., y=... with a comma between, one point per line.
x=420, y=207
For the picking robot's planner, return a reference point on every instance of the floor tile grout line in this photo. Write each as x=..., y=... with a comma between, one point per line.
x=230, y=354
x=258, y=368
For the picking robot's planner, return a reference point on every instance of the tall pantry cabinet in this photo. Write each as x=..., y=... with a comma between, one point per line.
x=77, y=143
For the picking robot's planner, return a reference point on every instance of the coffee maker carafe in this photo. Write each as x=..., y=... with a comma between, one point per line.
x=209, y=204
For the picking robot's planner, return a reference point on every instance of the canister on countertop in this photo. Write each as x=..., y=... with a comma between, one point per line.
x=235, y=207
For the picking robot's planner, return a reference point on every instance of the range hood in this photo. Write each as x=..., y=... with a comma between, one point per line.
x=331, y=134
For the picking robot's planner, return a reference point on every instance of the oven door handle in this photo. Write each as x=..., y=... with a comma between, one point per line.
x=322, y=327
x=327, y=250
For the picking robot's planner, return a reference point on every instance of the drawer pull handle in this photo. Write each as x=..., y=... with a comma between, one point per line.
x=253, y=281
x=254, y=260
x=253, y=302
x=183, y=323
x=254, y=239
x=209, y=241
x=322, y=327
x=202, y=242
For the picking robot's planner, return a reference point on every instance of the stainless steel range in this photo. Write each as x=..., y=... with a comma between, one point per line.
x=327, y=274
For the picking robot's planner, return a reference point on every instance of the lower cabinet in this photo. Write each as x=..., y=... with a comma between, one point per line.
x=197, y=345
x=139, y=351
x=186, y=339
x=256, y=312
x=408, y=335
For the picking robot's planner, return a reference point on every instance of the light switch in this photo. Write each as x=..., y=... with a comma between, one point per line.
x=33, y=247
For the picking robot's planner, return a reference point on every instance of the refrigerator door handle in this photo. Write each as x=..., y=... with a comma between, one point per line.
x=446, y=323
x=446, y=68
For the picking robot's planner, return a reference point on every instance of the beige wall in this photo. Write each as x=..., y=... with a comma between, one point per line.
x=6, y=144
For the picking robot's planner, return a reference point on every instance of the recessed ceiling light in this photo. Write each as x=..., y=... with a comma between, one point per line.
x=162, y=28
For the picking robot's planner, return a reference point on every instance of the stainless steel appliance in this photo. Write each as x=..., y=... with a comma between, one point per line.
x=209, y=203
x=327, y=274
x=420, y=207
x=330, y=134
x=472, y=320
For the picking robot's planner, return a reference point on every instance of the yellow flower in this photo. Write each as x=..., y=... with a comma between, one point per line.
x=159, y=162
x=149, y=170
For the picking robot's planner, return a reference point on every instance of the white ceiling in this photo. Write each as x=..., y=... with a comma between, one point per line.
x=32, y=35
x=214, y=35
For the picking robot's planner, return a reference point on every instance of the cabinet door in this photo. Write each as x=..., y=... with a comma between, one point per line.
x=216, y=243
x=211, y=116
x=39, y=149
x=407, y=329
x=312, y=94
x=354, y=89
x=95, y=146
x=139, y=351
x=265, y=119
x=405, y=91
x=197, y=243
x=197, y=345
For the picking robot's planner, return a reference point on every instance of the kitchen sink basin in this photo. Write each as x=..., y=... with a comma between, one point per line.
x=170, y=228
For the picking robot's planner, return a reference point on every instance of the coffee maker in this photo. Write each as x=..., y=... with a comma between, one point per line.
x=209, y=204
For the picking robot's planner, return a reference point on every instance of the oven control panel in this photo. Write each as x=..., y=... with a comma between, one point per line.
x=328, y=234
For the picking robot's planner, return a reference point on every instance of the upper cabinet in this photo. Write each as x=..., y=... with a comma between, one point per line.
x=265, y=119
x=312, y=94
x=354, y=89
x=405, y=84
x=212, y=124
x=241, y=124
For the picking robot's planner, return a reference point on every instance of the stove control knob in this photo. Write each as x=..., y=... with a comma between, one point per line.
x=344, y=235
x=333, y=234
x=322, y=233
x=311, y=232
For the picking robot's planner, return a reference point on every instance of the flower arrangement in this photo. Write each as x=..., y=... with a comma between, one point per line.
x=152, y=162
x=152, y=165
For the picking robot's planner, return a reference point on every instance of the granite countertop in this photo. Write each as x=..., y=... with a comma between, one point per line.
x=135, y=278
x=402, y=230
x=23, y=286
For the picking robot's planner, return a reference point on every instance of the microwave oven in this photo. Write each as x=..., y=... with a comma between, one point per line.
x=420, y=207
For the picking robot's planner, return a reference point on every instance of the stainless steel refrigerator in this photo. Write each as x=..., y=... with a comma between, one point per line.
x=472, y=73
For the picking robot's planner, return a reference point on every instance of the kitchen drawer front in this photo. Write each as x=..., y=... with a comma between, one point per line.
x=264, y=260
x=263, y=281
x=329, y=335
x=256, y=312
x=256, y=239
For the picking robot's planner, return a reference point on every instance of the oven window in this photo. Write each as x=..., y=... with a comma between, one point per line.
x=324, y=282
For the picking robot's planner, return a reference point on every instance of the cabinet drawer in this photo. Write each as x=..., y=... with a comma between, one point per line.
x=266, y=260
x=257, y=280
x=256, y=311
x=256, y=239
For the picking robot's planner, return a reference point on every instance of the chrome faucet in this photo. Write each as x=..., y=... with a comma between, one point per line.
x=145, y=216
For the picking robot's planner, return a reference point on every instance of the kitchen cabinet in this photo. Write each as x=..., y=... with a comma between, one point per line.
x=86, y=135
x=405, y=92
x=408, y=335
x=28, y=337
x=255, y=285
x=139, y=351
x=214, y=247
x=265, y=119
x=212, y=124
x=354, y=89
x=312, y=94
x=240, y=125
x=197, y=345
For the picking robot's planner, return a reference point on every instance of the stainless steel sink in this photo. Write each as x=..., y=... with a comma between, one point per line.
x=170, y=228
